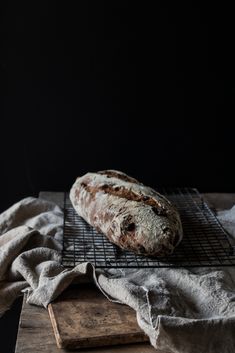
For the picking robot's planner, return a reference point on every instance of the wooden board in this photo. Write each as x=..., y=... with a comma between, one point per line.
x=83, y=317
x=36, y=335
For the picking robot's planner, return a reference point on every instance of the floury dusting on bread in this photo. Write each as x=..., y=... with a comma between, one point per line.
x=132, y=216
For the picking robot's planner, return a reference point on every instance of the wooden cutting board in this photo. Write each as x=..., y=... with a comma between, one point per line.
x=83, y=317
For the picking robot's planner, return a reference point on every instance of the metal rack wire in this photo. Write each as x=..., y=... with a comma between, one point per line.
x=205, y=242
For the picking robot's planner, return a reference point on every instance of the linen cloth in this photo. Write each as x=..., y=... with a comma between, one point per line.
x=181, y=310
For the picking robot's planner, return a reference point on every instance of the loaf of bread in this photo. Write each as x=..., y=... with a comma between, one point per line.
x=132, y=216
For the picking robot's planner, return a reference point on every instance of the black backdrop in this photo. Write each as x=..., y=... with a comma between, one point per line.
x=113, y=84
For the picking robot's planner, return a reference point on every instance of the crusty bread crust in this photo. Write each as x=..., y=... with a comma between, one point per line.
x=133, y=216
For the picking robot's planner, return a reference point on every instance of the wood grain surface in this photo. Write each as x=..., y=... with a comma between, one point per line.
x=83, y=317
x=35, y=335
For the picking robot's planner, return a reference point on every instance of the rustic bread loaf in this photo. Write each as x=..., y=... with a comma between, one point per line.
x=133, y=216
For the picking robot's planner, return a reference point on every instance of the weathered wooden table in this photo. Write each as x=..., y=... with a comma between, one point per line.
x=35, y=332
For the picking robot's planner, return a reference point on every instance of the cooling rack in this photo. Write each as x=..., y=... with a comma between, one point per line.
x=205, y=242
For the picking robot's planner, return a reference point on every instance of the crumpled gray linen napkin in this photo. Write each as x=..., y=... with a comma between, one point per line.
x=181, y=310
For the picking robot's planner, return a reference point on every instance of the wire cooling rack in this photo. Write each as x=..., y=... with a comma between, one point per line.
x=205, y=242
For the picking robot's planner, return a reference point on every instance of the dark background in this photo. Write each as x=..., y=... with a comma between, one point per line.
x=118, y=85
